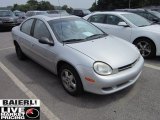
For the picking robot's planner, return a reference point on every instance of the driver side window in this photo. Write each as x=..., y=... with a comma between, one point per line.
x=41, y=30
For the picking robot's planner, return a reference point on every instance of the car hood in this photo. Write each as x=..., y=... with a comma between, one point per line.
x=111, y=50
x=152, y=28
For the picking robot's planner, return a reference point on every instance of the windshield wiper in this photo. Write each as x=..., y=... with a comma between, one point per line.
x=95, y=36
x=73, y=40
x=143, y=25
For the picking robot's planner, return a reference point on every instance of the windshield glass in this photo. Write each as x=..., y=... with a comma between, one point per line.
x=74, y=29
x=156, y=13
x=137, y=20
x=5, y=13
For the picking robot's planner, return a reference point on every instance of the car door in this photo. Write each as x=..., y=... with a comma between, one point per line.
x=111, y=26
x=25, y=39
x=43, y=53
x=98, y=20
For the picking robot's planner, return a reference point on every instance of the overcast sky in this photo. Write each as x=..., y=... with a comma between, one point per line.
x=71, y=3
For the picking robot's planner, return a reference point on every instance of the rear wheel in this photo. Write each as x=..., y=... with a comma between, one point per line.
x=20, y=54
x=70, y=80
x=146, y=47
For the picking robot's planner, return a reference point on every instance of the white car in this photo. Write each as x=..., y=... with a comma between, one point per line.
x=131, y=27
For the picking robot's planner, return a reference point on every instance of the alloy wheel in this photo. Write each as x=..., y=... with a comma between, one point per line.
x=144, y=48
x=68, y=80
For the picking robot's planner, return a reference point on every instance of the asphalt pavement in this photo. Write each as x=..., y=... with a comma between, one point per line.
x=138, y=102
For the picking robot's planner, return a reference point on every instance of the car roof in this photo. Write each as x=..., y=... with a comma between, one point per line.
x=113, y=12
x=49, y=17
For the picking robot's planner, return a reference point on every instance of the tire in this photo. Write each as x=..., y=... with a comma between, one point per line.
x=70, y=80
x=20, y=54
x=146, y=47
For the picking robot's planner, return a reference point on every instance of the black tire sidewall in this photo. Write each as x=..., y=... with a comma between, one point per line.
x=153, y=47
x=79, y=86
x=19, y=53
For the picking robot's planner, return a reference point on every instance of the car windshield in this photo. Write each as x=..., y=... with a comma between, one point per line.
x=156, y=13
x=75, y=30
x=5, y=13
x=137, y=20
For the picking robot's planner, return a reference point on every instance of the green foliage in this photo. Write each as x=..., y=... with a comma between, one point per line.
x=68, y=9
x=34, y=5
x=45, y=5
x=103, y=5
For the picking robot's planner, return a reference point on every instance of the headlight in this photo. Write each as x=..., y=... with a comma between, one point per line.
x=102, y=68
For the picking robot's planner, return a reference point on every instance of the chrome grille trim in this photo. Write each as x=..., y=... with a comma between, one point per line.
x=127, y=66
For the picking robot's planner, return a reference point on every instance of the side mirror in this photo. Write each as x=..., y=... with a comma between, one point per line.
x=155, y=20
x=123, y=24
x=45, y=40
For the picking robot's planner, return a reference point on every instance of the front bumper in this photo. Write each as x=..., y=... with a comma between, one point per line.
x=112, y=83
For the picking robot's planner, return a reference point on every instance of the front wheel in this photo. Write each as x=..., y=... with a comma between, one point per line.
x=70, y=80
x=20, y=54
x=146, y=47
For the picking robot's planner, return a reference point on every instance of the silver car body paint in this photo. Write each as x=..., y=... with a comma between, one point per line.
x=111, y=50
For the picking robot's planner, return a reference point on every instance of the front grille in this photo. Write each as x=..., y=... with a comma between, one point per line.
x=116, y=87
x=127, y=66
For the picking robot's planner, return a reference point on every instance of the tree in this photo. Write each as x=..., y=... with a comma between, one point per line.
x=45, y=5
x=34, y=5
x=94, y=7
x=65, y=7
x=32, y=2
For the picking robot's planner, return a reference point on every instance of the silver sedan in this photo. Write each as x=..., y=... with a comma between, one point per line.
x=80, y=54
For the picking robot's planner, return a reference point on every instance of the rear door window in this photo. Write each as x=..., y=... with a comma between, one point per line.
x=41, y=30
x=26, y=26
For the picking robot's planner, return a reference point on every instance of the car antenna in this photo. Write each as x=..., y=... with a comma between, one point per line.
x=60, y=18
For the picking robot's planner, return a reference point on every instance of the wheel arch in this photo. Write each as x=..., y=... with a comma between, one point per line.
x=62, y=62
x=143, y=37
x=151, y=41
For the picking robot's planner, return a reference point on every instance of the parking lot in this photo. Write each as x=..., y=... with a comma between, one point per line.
x=27, y=79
